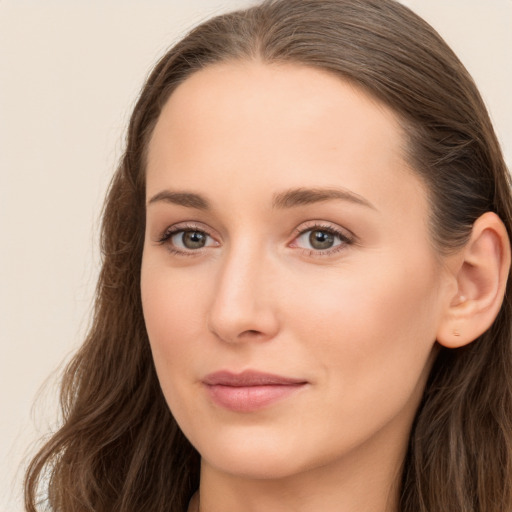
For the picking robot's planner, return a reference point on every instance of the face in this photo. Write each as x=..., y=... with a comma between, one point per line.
x=290, y=291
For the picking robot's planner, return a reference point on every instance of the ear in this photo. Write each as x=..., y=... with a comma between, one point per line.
x=481, y=271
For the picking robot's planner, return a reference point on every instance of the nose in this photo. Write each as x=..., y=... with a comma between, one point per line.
x=243, y=306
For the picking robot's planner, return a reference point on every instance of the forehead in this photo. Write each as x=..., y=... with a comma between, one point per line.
x=257, y=126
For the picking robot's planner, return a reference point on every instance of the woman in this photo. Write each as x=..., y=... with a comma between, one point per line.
x=303, y=302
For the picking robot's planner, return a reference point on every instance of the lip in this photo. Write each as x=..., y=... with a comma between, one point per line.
x=250, y=390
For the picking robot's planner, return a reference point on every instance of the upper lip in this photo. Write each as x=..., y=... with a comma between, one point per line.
x=249, y=378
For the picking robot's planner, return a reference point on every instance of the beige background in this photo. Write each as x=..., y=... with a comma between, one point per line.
x=69, y=74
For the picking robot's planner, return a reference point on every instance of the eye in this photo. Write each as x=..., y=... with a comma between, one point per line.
x=186, y=240
x=189, y=239
x=319, y=240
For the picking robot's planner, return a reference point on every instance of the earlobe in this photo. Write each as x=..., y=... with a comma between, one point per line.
x=481, y=275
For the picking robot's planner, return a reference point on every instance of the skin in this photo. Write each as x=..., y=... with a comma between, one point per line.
x=358, y=322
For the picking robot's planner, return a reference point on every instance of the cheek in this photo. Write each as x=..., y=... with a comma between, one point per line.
x=173, y=313
x=175, y=323
x=371, y=331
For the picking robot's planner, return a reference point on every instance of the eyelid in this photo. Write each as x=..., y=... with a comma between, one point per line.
x=345, y=236
x=312, y=225
x=183, y=226
x=165, y=238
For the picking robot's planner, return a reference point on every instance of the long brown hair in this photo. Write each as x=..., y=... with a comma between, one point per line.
x=119, y=448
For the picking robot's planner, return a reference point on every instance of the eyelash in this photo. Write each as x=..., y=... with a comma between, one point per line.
x=344, y=238
x=170, y=232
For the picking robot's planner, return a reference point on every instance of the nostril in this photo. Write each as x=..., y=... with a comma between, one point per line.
x=251, y=332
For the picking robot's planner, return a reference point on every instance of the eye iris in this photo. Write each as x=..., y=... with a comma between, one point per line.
x=321, y=239
x=193, y=239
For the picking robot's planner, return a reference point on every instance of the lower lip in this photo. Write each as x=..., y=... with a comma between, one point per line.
x=250, y=398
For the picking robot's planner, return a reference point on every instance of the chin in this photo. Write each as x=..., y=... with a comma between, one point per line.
x=254, y=465
x=256, y=455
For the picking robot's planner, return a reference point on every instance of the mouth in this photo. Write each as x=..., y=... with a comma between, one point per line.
x=250, y=390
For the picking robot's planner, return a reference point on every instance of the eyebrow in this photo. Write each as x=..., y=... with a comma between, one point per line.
x=187, y=199
x=287, y=199
x=304, y=196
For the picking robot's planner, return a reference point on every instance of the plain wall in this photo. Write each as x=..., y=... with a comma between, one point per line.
x=69, y=75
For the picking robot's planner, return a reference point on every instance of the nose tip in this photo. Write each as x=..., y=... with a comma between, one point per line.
x=243, y=308
x=234, y=321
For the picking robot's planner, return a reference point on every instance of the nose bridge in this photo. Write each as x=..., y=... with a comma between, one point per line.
x=242, y=303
